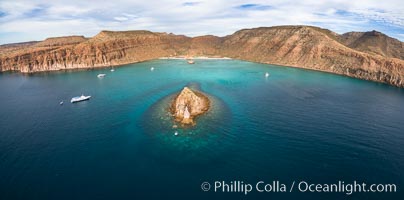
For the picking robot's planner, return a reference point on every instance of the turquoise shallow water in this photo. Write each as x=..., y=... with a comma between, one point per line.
x=294, y=125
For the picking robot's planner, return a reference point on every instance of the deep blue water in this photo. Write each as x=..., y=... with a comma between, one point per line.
x=295, y=125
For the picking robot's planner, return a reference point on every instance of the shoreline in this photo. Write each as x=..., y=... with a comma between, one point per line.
x=194, y=58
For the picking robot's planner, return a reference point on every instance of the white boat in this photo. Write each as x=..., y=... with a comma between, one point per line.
x=267, y=75
x=152, y=68
x=101, y=75
x=61, y=103
x=191, y=62
x=112, y=70
x=80, y=98
x=176, y=133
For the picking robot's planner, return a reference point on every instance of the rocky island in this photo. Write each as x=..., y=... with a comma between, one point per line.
x=365, y=55
x=189, y=104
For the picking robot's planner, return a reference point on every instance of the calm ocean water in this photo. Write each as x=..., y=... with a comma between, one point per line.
x=295, y=125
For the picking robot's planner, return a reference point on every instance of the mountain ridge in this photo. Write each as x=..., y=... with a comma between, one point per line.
x=365, y=55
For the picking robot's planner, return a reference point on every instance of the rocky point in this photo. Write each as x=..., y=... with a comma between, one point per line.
x=189, y=104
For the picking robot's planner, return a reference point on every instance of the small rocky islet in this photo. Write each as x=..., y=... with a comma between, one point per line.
x=187, y=105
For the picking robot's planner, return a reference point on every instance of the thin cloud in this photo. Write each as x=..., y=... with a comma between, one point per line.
x=254, y=7
x=38, y=11
x=2, y=14
x=121, y=19
x=190, y=3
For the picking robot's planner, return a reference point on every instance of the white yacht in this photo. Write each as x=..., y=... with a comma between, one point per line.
x=152, y=68
x=80, y=98
x=267, y=75
x=101, y=75
x=112, y=70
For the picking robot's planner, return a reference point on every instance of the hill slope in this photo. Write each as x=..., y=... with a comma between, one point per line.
x=374, y=42
x=306, y=47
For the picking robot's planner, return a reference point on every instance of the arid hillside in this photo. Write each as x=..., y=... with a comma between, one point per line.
x=370, y=56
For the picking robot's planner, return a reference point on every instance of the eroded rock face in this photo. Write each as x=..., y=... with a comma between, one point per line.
x=188, y=105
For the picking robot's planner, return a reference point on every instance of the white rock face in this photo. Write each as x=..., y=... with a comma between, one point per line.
x=186, y=113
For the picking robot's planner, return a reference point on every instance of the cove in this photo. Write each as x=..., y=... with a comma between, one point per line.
x=294, y=124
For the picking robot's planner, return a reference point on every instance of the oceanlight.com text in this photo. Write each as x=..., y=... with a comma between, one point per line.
x=347, y=188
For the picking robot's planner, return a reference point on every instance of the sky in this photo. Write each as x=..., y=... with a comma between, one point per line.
x=29, y=20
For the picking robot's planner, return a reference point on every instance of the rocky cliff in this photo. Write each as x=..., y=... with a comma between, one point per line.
x=189, y=104
x=311, y=48
x=105, y=49
x=371, y=56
